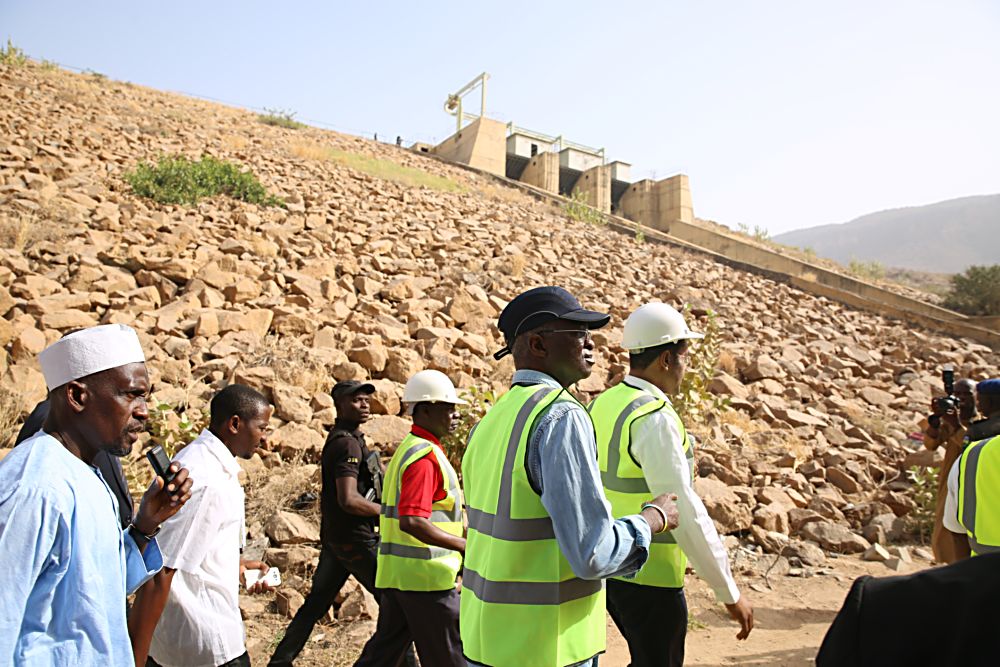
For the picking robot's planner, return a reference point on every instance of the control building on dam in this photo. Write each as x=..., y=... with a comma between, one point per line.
x=554, y=164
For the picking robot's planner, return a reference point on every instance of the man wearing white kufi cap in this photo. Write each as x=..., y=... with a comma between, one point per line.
x=68, y=564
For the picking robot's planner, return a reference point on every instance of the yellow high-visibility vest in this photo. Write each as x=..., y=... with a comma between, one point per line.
x=979, y=495
x=522, y=605
x=614, y=412
x=404, y=562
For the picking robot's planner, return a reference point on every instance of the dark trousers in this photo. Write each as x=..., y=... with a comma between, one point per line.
x=241, y=661
x=430, y=620
x=336, y=563
x=653, y=621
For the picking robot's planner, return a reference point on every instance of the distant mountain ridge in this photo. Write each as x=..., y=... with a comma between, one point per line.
x=945, y=237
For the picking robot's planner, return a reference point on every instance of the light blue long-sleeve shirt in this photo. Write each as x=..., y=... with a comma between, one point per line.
x=67, y=565
x=562, y=462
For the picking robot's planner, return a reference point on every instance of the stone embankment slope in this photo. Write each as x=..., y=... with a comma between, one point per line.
x=369, y=277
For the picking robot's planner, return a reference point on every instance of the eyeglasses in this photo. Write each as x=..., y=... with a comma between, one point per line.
x=579, y=334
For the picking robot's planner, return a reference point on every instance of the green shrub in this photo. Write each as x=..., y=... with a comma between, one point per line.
x=923, y=491
x=179, y=180
x=12, y=55
x=975, y=292
x=172, y=430
x=577, y=208
x=279, y=118
x=479, y=401
x=640, y=236
x=872, y=270
x=694, y=402
x=758, y=233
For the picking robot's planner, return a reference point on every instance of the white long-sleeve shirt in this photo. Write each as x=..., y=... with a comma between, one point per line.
x=950, y=518
x=658, y=447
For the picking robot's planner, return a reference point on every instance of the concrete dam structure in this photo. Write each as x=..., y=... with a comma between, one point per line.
x=559, y=166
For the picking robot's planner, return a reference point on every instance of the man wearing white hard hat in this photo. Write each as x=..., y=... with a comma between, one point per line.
x=422, y=545
x=643, y=449
x=68, y=565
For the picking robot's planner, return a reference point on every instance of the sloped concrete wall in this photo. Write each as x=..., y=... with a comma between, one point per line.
x=543, y=172
x=658, y=203
x=595, y=186
x=482, y=144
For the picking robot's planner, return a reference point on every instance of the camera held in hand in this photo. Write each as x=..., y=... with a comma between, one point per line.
x=949, y=401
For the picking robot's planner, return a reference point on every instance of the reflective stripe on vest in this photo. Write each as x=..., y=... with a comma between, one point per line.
x=404, y=562
x=515, y=576
x=614, y=413
x=979, y=495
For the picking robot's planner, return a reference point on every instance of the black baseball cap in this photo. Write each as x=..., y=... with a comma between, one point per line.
x=530, y=310
x=351, y=387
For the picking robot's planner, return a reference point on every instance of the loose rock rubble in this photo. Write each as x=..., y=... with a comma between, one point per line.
x=366, y=278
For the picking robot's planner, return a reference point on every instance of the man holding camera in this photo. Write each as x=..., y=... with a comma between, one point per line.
x=947, y=426
x=972, y=508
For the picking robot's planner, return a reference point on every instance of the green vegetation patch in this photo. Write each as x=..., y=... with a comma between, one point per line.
x=12, y=55
x=976, y=291
x=180, y=180
x=279, y=118
x=872, y=270
x=391, y=171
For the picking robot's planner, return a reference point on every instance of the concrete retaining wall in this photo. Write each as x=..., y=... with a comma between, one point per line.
x=482, y=144
x=658, y=203
x=543, y=172
x=595, y=187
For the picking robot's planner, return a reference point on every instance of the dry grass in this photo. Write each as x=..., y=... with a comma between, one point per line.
x=503, y=193
x=234, y=142
x=293, y=363
x=727, y=363
x=11, y=409
x=382, y=169
x=22, y=231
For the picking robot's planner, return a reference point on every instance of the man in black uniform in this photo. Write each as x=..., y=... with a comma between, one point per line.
x=352, y=487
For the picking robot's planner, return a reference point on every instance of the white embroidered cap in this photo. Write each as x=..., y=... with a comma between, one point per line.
x=89, y=351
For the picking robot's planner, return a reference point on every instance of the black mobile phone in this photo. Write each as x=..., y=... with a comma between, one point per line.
x=161, y=464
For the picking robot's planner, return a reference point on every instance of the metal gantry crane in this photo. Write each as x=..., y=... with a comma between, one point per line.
x=453, y=105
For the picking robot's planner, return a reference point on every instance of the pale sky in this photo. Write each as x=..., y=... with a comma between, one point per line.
x=784, y=114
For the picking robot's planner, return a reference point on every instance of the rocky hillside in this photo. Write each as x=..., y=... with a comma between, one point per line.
x=366, y=276
x=944, y=237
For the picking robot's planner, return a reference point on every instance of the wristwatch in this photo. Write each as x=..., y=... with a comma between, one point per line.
x=149, y=538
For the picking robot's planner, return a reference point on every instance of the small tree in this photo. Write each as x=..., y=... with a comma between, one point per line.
x=694, y=401
x=479, y=401
x=975, y=292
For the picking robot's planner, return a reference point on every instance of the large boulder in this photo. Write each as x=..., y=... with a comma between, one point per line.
x=731, y=515
x=284, y=528
x=834, y=537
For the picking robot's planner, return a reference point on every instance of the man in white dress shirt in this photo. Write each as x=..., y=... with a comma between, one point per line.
x=644, y=451
x=194, y=602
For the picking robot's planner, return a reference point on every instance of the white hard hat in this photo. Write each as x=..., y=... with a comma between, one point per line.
x=430, y=387
x=655, y=324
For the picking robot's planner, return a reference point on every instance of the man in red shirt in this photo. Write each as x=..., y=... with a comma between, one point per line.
x=422, y=536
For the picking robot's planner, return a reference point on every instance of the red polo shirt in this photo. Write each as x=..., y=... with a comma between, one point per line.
x=423, y=483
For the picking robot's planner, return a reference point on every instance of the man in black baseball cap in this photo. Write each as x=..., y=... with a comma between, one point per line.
x=538, y=306
x=352, y=486
x=535, y=498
